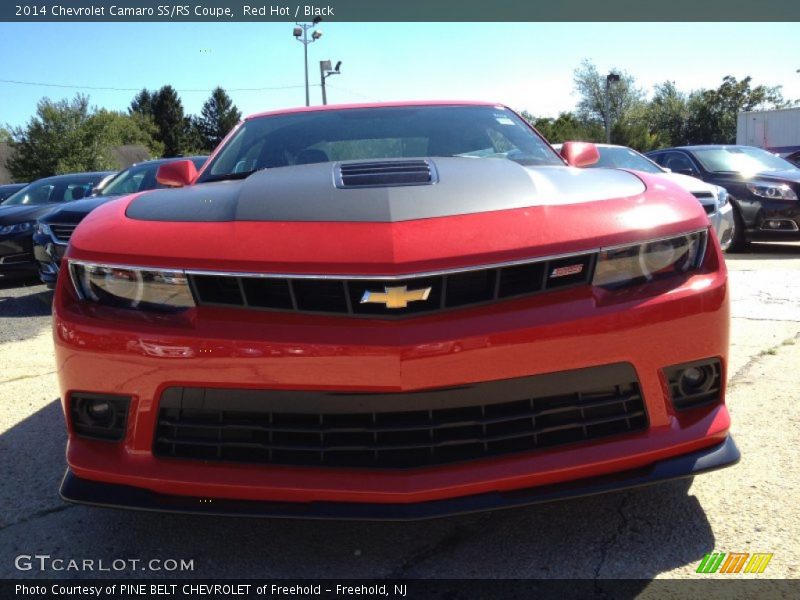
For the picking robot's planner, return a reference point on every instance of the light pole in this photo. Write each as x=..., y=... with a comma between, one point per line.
x=301, y=35
x=611, y=77
x=325, y=71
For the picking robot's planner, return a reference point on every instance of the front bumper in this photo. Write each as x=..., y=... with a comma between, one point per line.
x=111, y=351
x=83, y=491
x=48, y=255
x=771, y=219
x=16, y=254
x=723, y=223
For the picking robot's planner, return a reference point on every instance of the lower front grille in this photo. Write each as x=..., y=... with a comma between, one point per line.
x=399, y=430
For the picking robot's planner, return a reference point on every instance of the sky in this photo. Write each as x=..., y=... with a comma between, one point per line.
x=528, y=66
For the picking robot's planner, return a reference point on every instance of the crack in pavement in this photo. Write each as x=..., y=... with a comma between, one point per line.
x=26, y=377
x=736, y=378
x=38, y=515
x=456, y=536
x=606, y=545
x=773, y=320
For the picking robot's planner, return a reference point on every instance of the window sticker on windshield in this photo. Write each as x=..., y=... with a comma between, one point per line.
x=504, y=120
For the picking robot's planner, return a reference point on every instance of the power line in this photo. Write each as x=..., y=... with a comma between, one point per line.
x=119, y=89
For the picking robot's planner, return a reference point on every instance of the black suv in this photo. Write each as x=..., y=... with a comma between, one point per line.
x=763, y=188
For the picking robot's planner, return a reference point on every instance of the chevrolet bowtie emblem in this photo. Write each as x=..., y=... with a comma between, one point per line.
x=395, y=297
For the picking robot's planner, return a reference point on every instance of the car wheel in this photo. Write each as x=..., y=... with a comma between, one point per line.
x=739, y=241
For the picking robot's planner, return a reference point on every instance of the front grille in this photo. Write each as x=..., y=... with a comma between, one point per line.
x=385, y=173
x=709, y=208
x=369, y=297
x=399, y=430
x=62, y=232
x=700, y=195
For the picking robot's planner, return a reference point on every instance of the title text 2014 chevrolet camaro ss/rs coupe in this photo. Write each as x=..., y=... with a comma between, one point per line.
x=386, y=312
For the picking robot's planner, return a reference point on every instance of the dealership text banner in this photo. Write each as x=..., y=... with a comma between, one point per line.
x=393, y=10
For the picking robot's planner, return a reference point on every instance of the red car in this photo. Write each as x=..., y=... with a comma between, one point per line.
x=390, y=311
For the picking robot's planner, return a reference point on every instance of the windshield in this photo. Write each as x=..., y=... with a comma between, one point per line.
x=54, y=190
x=378, y=133
x=624, y=158
x=738, y=159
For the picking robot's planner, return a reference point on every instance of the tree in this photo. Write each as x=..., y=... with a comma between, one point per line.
x=5, y=135
x=68, y=136
x=142, y=103
x=218, y=116
x=567, y=127
x=713, y=113
x=624, y=97
x=668, y=114
x=169, y=119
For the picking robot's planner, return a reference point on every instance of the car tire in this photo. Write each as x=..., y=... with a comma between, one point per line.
x=739, y=241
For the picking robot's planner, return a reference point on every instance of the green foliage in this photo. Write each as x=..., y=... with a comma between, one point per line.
x=5, y=135
x=567, y=127
x=668, y=114
x=218, y=116
x=712, y=113
x=69, y=136
x=167, y=111
x=623, y=100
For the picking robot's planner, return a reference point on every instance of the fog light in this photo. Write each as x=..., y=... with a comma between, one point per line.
x=775, y=224
x=99, y=411
x=695, y=384
x=99, y=416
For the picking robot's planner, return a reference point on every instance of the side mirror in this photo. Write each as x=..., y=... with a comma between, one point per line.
x=176, y=174
x=580, y=154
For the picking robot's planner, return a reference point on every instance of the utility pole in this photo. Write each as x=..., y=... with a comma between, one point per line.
x=325, y=71
x=301, y=35
x=611, y=77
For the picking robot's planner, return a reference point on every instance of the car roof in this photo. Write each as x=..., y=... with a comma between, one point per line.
x=703, y=147
x=334, y=107
x=68, y=176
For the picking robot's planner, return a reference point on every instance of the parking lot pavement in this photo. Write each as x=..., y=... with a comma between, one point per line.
x=660, y=531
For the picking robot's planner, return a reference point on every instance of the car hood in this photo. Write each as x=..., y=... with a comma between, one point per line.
x=792, y=175
x=691, y=184
x=74, y=212
x=22, y=213
x=311, y=193
x=296, y=220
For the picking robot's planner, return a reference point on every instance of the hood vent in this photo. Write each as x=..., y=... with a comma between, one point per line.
x=385, y=173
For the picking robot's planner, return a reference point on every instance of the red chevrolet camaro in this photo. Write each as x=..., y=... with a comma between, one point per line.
x=386, y=312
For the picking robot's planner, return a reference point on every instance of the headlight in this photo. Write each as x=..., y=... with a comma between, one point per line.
x=643, y=262
x=722, y=196
x=132, y=287
x=773, y=191
x=17, y=228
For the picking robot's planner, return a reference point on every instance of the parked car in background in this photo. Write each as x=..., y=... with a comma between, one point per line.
x=53, y=230
x=794, y=158
x=390, y=311
x=19, y=212
x=763, y=188
x=713, y=197
x=9, y=189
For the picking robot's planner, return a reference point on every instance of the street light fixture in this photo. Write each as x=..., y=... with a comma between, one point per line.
x=300, y=33
x=610, y=78
x=325, y=71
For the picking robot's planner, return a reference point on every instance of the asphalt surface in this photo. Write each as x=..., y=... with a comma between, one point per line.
x=661, y=531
